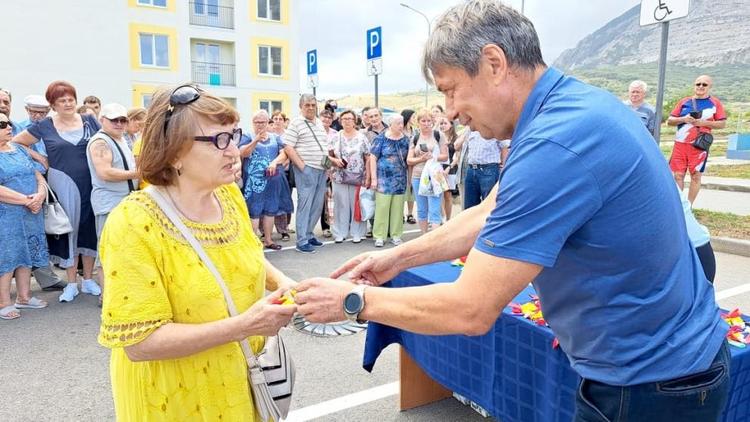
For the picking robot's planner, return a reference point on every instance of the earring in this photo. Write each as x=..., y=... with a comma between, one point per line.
x=179, y=170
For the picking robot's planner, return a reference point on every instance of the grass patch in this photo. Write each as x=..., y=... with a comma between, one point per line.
x=737, y=171
x=724, y=224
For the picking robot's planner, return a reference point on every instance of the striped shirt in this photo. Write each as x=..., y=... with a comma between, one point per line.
x=482, y=151
x=300, y=137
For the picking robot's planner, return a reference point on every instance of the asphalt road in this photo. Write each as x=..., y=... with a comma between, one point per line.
x=52, y=368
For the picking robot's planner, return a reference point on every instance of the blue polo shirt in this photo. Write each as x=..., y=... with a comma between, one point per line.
x=587, y=195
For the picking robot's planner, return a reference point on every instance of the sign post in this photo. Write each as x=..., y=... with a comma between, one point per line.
x=661, y=12
x=312, y=69
x=374, y=45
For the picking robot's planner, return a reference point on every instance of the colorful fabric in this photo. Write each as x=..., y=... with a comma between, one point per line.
x=154, y=277
x=354, y=150
x=391, y=163
x=686, y=158
x=710, y=108
x=266, y=195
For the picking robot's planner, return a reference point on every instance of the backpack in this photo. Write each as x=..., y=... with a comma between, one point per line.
x=435, y=133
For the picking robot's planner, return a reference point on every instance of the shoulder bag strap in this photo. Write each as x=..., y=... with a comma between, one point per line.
x=314, y=136
x=131, y=188
x=695, y=104
x=171, y=213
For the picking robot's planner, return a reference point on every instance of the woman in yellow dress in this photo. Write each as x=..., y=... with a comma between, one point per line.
x=175, y=351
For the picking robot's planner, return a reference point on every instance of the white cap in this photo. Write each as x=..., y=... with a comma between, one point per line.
x=113, y=111
x=35, y=101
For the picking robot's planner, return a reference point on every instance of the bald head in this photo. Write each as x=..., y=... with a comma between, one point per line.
x=702, y=86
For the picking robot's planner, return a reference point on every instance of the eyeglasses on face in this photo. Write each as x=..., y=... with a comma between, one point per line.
x=119, y=121
x=703, y=84
x=4, y=124
x=260, y=122
x=222, y=140
x=182, y=95
x=32, y=111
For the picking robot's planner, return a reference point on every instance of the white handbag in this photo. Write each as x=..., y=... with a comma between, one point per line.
x=270, y=374
x=56, y=221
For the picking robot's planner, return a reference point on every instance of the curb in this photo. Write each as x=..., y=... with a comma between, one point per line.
x=730, y=188
x=731, y=246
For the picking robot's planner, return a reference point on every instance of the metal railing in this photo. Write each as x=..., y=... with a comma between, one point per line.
x=206, y=73
x=201, y=13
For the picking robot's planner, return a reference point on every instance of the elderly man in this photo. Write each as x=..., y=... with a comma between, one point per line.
x=305, y=143
x=694, y=115
x=375, y=126
x=639, y=324
x=636, y=100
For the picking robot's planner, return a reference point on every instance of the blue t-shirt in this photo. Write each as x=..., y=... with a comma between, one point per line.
x=391, y=163
x=586, y=194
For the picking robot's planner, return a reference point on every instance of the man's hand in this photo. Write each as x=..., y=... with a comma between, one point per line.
x=371, y=268
x=689, y=119
x=322, y=299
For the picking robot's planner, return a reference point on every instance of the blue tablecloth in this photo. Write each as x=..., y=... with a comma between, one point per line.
x=513, y=372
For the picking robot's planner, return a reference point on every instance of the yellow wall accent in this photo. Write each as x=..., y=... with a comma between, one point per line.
x=135, y=47
x=256, y=98
x=139, y=90
x=170, y=5
x=255, y=42
x=284, y=13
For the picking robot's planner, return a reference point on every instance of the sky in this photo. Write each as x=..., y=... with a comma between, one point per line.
x=337, y=30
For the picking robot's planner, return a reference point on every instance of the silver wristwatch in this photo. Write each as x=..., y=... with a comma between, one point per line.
x=354, y=303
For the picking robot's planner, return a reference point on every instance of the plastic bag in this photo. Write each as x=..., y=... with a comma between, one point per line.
x=432, y=182
x=367, y=203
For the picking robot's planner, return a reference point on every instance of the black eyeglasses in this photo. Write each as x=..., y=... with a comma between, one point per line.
x=182, y=95
x=222, y=140
x=701, y=84
x=119, y=120
x=5, y=124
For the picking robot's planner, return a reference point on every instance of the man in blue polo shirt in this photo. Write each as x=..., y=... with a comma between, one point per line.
x=586, y=211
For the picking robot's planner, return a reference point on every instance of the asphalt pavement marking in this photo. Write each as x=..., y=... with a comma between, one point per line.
x=330, y=242
x=341, y=403
x=734, y=291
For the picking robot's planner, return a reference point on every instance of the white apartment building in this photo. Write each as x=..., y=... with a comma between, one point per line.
x=122, y=50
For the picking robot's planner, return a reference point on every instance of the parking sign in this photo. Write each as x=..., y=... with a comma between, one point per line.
x=374, y=43
x=312, y=62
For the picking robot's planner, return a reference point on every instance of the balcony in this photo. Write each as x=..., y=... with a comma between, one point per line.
x=210, y=13
x=217, y=74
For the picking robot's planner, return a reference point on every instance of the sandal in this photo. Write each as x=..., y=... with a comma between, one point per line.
x=6, y=312
x=285, y=237
x=33, y=303
x=273, y=246
x=410, y=219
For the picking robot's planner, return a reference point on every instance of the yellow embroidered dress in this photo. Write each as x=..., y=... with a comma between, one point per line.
x=154, y=277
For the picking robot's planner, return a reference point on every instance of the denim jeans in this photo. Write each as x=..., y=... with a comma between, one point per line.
x=479, y=182
x=428, y=207
x=311, y=188
x=699, y=397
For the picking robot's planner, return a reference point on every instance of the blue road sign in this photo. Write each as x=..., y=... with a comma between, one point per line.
x=374, y=43
x=312, y=62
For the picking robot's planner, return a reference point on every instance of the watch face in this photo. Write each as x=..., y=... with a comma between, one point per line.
x=352, y=303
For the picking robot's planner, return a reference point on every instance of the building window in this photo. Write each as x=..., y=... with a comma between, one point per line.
x=270, y=106
x=206, y=7
x=154, y=50
x=269, y=60
x=269, y=9
x=154, y=3
x=146, y=100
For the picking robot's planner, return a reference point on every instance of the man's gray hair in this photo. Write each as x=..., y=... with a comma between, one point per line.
x=306, y=98
x=463, y=30
x=638, y=84
x=395, y=118
x=262, y=112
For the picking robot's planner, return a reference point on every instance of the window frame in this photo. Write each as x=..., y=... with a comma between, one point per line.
x=150, y=3
x=269, y=105
x=154, y=55
x=269, y=61
x=206, y=6
x=267, y=9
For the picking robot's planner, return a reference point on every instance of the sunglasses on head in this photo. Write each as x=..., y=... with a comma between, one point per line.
x=222, y=140
x=182, y=95
x=119, y=120
x=701, y=84
x=5, y=124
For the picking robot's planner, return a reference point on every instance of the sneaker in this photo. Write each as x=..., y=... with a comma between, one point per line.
x=306, y=248
x=379, y=243
x=90, y=287
x=315, y=242
x=327, y=234
x=339, y=240
x=396, y=241
x=369, y=234
x=357, y=240
x=69, y=292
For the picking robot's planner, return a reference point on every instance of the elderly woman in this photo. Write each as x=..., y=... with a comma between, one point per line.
x=349, y=150
x=266, y=190
x=136, y=118
x=424, y=148
x=22, y=192
x=389, y=176
x=66, y=136
x=175, y=351
x=407, y=115
x=278, y=125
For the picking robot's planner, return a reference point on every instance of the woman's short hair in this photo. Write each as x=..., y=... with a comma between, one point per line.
x=137, y=113
x=326, y=113
x=345, y=112
x=439, y=107
x=161, y=150
x=58, y=89
x=423, y=113
x=278, y=113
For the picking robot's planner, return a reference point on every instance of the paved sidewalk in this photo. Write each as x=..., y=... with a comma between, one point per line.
x=723, y=183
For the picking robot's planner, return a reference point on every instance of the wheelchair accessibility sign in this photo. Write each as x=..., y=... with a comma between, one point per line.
x=657, y=11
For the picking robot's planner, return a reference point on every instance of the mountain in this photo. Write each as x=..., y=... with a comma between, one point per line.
x=713, y=39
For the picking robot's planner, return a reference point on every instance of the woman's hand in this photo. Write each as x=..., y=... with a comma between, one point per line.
x=337, y=162
x=265, y=318
x=426, y=156
x=271, y=169
x=374, y=183
x=35, y=202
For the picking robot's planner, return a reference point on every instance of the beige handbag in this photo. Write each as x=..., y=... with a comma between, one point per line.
x=270, y=374
x=56, y=221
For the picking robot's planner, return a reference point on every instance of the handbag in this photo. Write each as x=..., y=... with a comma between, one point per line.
x=270, y=374
x=56, y=221
x=704, y=140
x=348, y=177
x=325, y=162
